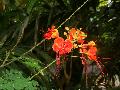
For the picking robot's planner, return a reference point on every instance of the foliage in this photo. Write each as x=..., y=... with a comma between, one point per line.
x=14, y=79
x=22, y=25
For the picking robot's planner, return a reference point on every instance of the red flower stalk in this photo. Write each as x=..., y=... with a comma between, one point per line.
x=61, y=47
x=58, y=63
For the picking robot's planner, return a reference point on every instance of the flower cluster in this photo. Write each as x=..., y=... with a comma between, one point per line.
x=88, y=50
x=75, y=39
x=60, y=45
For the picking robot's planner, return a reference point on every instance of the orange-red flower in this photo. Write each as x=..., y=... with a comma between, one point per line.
x=68, y=45
x=51, y=33
x=91, y=44
x=76, y=35
x=62, y=47
x=83, y=48
x=92, y=53
x=81, y=37
x=58, y=44
x=72, y=33
x=47, y=35
x=90, y=50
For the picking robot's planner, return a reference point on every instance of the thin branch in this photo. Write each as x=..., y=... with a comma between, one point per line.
x=5, y=64
x=18, y=40
x=73, y=13
x=41, y=71
x=58, y=28
x=21, y=32
x=6, y=58
x=33, y=47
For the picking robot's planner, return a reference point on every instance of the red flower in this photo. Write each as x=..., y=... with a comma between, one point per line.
x=62, y=47
x=91, y=44
x=80, y=41
x=47, y=35
x=83, y=50
x=92, y=53
x=67, y=46
x=90, y=50
x=76, y=35
x=58, y=44
x=51, y=33
x=72, y=34
x=81, y=36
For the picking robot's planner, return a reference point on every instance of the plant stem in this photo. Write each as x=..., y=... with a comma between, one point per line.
x=72, y=14
x=41, y=71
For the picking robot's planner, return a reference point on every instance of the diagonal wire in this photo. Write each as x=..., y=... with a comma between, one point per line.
x=72, y=14
x=41, y=71
x=58, y=28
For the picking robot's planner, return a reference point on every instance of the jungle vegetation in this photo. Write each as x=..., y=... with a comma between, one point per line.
x=25, y=57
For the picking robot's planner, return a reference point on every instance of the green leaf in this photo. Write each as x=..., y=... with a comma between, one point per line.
x=30, y=5
x=14, y=79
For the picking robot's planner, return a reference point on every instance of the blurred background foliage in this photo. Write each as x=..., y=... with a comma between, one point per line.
x=22, y=25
